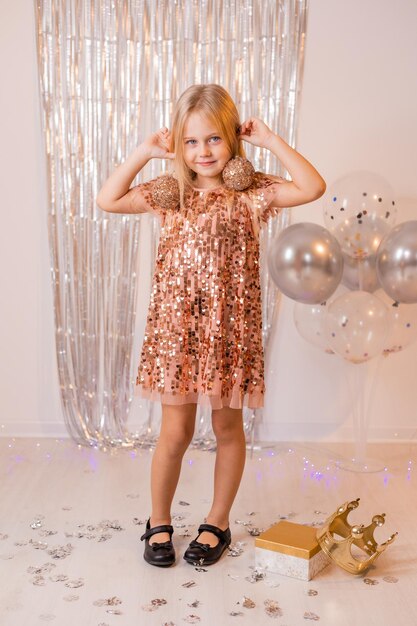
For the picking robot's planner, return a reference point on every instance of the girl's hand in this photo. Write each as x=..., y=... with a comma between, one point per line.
x=157, y=144
x=256, y=132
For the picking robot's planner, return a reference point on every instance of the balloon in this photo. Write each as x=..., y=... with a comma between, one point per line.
x=360, y=273
x=402, y=324
x=360, y=239
x=309, y=320
x=396, y=262
x=357, y=326
x=305, y=262
x=359, y=210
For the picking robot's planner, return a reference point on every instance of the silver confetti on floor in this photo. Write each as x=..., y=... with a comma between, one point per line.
x=254, y=531
x=37, y=523
x=154, y=604
x=74, y=584
x=272, y=608
x=192, y=619
x=38, y=545
x=370, y=581
x=248, y=603
x=44, y=569
x=100, y=530
x=312, y=592
x=60, y=552
x=236, y=549
x=113, y=601
x=256, y=576
x=390, y=579
x=311, y=616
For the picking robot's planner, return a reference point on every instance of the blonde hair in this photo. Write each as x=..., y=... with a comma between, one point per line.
x=214, y=102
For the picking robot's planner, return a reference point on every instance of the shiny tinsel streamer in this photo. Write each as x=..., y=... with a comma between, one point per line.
x=109, y=73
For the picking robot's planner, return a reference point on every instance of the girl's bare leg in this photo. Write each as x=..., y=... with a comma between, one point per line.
x=177, y=429
x=228, y=470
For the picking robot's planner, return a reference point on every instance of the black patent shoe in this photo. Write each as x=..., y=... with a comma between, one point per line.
x=202, y=553
x=160, y=554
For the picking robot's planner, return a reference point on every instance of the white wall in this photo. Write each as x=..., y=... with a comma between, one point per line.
x=357, y=112
x=30, y=402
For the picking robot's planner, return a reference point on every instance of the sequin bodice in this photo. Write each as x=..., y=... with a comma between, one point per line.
x=203, y=337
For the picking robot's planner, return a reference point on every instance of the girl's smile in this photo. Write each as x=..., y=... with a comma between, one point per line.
x=205, y=152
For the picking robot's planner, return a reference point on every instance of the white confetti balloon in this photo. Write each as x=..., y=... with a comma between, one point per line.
x=357, y=325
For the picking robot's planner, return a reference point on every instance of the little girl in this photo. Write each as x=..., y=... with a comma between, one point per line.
x=203, y=338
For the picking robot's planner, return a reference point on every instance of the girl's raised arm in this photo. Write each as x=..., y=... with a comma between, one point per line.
x=306, y=184
x=115, y=195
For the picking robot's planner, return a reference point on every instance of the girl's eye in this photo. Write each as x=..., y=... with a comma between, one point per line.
x=215, y=139
x=190, y=141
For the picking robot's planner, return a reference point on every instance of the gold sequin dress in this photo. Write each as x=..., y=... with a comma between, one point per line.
x=203, y=336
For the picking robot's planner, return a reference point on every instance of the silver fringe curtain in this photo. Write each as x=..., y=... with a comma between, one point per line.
x=109, y=72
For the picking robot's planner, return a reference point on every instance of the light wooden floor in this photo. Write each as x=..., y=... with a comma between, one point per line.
x=58, y=487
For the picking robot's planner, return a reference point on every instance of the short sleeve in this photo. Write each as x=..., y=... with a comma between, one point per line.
x=262, y=192
x=146, y=191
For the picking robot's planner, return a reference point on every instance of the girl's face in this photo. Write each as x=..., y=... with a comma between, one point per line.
x=205, y=151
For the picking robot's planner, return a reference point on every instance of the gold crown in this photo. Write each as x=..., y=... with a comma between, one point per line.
x=337, y=537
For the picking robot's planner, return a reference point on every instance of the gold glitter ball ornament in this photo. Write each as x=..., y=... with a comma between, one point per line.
x=238, y=173
x=166, y=192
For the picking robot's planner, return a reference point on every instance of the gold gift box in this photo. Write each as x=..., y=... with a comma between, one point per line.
x=290, y=549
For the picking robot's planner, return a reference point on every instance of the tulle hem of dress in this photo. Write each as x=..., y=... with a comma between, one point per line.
x=234, y=401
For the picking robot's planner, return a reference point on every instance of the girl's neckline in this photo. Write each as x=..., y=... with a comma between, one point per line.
x=207, y=189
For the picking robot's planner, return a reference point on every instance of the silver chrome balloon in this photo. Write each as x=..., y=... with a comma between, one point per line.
x=305, y=262
x=396, y=262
